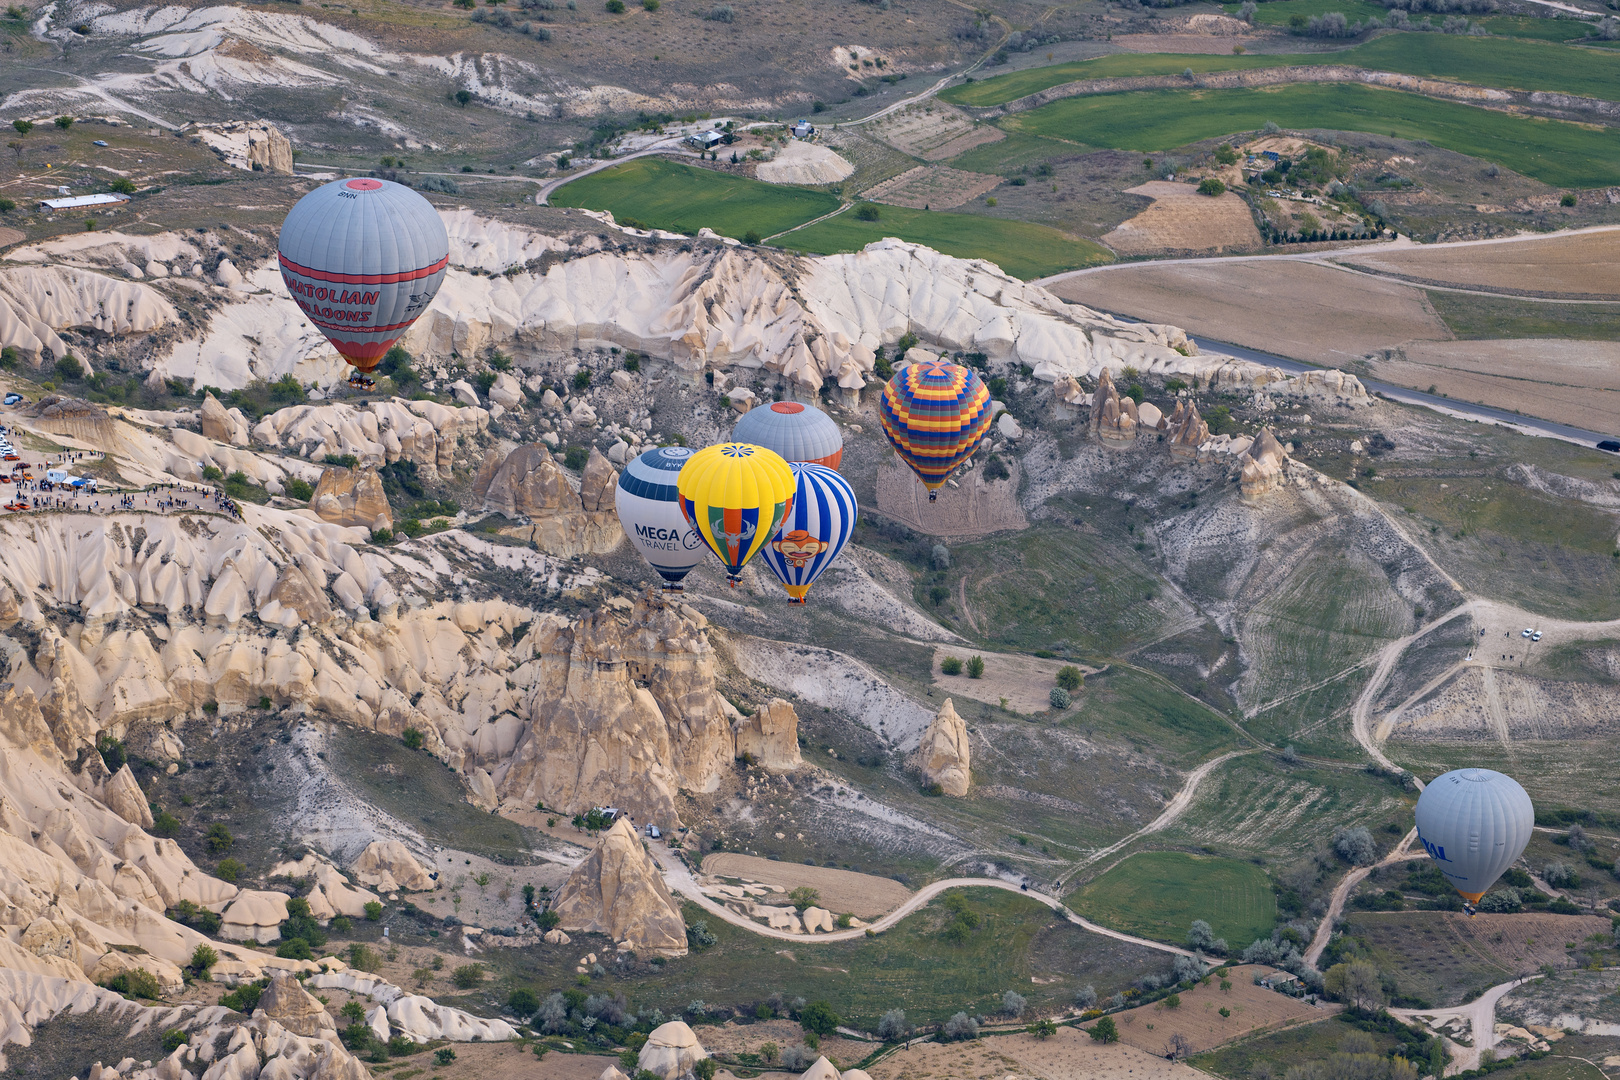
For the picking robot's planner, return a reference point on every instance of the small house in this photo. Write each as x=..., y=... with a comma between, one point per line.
x=75, y=202
x=802, y=130
x=1284, y=983
x=705, y=140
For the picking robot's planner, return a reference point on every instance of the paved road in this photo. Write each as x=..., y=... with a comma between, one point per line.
x=1481, y=1017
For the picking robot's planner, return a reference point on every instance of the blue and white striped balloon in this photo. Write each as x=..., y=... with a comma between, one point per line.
x=649, y=508
x=815, y=530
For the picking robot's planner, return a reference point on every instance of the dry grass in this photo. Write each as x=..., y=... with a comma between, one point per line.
x=862, y=895
x=935, y=132
x=1585, y=265
x=1295, y=309
x=933, y=187
x=1068, y=1055
x=1024, y=682
x=475, y=1061
x=1573, y=382
x=1198, y=1018
x=732, y=1038
x=973, y=508
x=1180, y=219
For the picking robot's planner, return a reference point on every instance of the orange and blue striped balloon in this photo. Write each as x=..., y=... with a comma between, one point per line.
x=735, y=495
x=934, y=414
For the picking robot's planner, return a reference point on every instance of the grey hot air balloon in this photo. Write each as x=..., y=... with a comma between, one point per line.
x=363, y=258
x=1474, y=823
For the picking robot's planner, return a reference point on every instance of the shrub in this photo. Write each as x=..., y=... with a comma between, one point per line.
x=522, y=1002
x=892, y=1026
x=804, y=897
x=444, y=1055
x=342, y=924
x=112, y=753
x=174, y=1039
x=1355, y=846
x=1042, y=1029
x=975, y=667
x=1173, y=1001
x=867, y=212
x=951, y=666
x=203, y=959
x=1013, y=1003
x=69, y=368
x=295, y=948
x=960, y=1027
x=7, y=206
x=1211, y=187
x=229, y=870
x=467, y=976
x=818, y=1017
x=1059, y=698
x=245, y=998
x=353, y=1012
x=137, y=983
x=1086, y=997
x=1104, y=1030
x=165, y=825
x=1560, y=876
x=295, y=488
x=1225, y=155
x=219, y=839
x=373, y=910
x=1567, y=200
x=1069, y=678
x=412, y=738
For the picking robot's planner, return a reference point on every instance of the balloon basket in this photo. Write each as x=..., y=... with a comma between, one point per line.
x=933, y=496
x=732, y=581
x=791, y=600
x=671, y=587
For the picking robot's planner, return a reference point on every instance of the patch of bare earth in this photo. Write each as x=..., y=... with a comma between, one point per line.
x=933, y=187
x=1068, y=1055
x=10, y=236
x=478, y=1061
x=1174, y=43
x=1180, y=219
x=1573, y=382
x=731, y=1038
x=863, y=895
x=1292, y=308
x=972, y=508
x=1024, y=682
x=1198, y=1018
x=1585, y=265
x=935, y=131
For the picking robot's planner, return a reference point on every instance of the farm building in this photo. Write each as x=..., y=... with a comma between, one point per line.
x=705, y=140
x=1283, y=983
x=802, y=130
x=76, y=201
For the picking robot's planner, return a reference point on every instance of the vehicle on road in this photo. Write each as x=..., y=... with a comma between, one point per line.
x=1611, y=445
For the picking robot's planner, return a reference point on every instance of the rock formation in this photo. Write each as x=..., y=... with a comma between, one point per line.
x=942, y=757
x=770, y=736
x=1188, y=431
x=75, y=418
x=287, y=1003
x=529, y=483
x=1261, y=465
x=822, y=1069
x=252, y=145
x=222, y=424
x=671, y=1051
x=618, y=891
x=1113, y=418
x=377, y=433
x=352, y=497
x=1067, y=397
x=388, y=866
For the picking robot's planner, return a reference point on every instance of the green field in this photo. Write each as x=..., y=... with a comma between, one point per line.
x=1557, y=153
x=1476, y=318
x=667, y=195
x=1022, y=249
x=1556, y=29
x=1158, y=894
x=1278, y=12
x=1482, y=61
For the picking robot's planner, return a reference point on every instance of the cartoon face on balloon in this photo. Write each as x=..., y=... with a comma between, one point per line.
x=799, y=547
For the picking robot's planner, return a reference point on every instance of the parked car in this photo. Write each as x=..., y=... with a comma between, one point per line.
x=1611, y=445
x=14, y=397
x=1536, y=636
x=1527, y=632
x=652, y=831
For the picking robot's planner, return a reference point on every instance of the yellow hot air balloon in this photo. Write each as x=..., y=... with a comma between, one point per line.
x=735, y=495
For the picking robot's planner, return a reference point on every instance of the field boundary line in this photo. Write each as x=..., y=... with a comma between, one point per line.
x=830, y=214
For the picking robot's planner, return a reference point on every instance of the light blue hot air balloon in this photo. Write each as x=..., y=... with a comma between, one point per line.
x=814, y=531
x=1474, y=823
x=650, y=513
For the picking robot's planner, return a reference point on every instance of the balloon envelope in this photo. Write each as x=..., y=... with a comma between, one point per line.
x=1474, y=823
x=814, y=531
x=735, y=495
x=649, y=508
x=934, y=414
x=363, y=258
x=793, y=430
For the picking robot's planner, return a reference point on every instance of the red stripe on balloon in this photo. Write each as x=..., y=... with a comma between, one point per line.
x=364, y=279
x=360, y=327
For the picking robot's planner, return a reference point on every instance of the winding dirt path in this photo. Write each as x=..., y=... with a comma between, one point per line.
x=1481, y=1016
x=1324, y=929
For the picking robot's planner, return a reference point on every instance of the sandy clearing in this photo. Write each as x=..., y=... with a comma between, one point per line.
x=933, y=187
x=1182, y=220
x=1573, y=382
x=865, y=896
x=1068, y=1055
x=11, y=236
x=1582, y=265
x=973, y=508
x=1198, y=1019
x=1025, y=681
x=732, y=1037
x=477, y=1061
x=804, y=163
x=1295, y=309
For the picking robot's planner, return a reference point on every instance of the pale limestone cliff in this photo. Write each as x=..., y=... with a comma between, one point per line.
x=529, y=483
x=671, y=1050
x=1260, y=467
x=352, y=497
x=770, y=736
x=943, y=755
x=618, y=891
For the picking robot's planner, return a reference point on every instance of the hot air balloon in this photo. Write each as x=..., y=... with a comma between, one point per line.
x=650, y=513
x=934, y=414
x=735, y=496
x=796, y=432
x=1474, y=823
x=363, y=258
x=814, y=531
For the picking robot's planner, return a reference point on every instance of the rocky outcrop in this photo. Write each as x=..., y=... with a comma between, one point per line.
x=252, y=145
x=254, y=915
x=671, y=1051
x=1260, y=467
x=388, y=866
x=623, y=712
x=821, y=1069
x=943, y=756
x=352, y=497
x=529, y=483
x=125, y=798
x=74, y=417
x=618, y=891
x=287, y=1003
x=1188, y=431
x=770, y=736
x=1113, y=418
x=224, y=425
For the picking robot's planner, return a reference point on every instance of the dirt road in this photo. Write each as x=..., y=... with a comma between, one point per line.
x=1324, y=929
x=1481, y=1016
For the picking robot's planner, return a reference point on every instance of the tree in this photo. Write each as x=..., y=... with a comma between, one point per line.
x=752, y=237
x=467, y=976
x=1069, y=677
x=706, y=1068
x=69, y=368
x=203, y=959
x=1178, y=1047
x=522, y=1002
x=64, y=122
x=975, y=667
x=867, y=212
x=1355, y=983
x=1104, y=1030
x=1042, y=1029
x=1200, y=935
x=1211, y=186
x=219, y=839
x=1355, y=846
x=1012, y=1004
x=1086, y=997
x=1560, y=876
x=818, y=1017
x=412, y=738
x=373, y=910
x=892, y=1026
x=463, y=97
x=804, y=896
x=1059, y=698
x=951, y=665
x=23, y=126
x=961, y=1027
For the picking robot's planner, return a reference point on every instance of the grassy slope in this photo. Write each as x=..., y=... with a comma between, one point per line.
x=1483, y=61
x=668, y=195
x=1314, y=1042
x=1158, y=894
x=1554, y=152
x=1475, y=318
x=1022, y=249
x=1278, y=13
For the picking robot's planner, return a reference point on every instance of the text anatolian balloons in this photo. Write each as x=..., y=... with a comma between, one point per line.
x=1474, y=823
x=814, y=531
x=649, y=508
x=363, y=258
